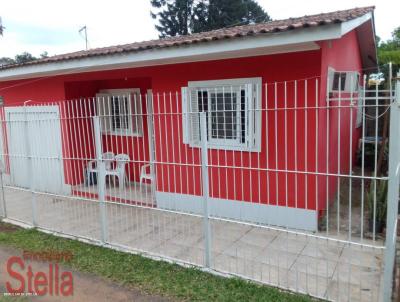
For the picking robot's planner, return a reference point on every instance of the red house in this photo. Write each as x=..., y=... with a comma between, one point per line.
x=264, y=88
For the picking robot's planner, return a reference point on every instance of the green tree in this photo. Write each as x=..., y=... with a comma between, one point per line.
x=181, y=17
x=226, y=13
x=389, y=51
x=24, y=58
x=4, y=61
x=44, y=55
x=20, y=58
x=175, y=17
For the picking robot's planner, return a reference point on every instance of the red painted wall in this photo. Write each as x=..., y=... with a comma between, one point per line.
x=342, y=55
x=231, y=183
x=299, y=149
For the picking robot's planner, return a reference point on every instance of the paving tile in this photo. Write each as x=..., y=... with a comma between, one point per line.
x=273, y=275
x=236, y=265
x=188, y=239
x=342, y=291
x=308, y=283
x=289, y=244
x=219, y=245
x=229, y=229
x=368, y=257
x=314, y=266
x=242, y=250
x=277, y=257
x=325, y=249
x=354, y=274
x=259, y=237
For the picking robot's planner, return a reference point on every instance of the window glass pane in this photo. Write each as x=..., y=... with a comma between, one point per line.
x=135, y=114
x=223, y=115
x=202, y=98
x=115, y=113
x=119, y=113
x=125, y=113
x=202, y=102
x=242, y=116
x=339, y=77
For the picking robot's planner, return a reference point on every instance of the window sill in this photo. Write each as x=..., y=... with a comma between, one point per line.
x=122, y=133
x=228, y=148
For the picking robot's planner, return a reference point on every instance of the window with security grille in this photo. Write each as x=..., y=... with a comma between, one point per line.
x=343, y=81
x=120, y=112
x=233, y=117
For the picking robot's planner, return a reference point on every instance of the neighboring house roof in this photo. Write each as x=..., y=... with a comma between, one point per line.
x=226, y=34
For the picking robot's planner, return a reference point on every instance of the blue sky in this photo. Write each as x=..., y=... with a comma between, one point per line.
x=52, y=26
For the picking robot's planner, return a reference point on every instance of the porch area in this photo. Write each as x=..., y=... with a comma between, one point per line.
x=134, y=193
x=311, y=263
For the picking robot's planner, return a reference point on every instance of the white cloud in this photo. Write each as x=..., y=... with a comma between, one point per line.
x=28, y=23
x=108, y=23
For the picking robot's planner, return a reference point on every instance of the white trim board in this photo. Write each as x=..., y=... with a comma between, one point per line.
x=217, y=50
x=226, y=82
x=295, y=218
x=350, y=25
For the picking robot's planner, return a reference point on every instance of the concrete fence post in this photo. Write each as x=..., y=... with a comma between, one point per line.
x=204, y=174
x=2, y=169
x=393, y=193
x=101, y=180
x=30, y=167
x=3, y=197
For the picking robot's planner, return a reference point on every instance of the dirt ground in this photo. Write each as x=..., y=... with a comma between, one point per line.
x=356, y=214
x=86, y=287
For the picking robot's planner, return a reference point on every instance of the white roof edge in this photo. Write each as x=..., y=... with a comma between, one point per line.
x=352, y=24
x=187, y=53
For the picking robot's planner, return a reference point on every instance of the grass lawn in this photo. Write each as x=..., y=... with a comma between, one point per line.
x=154, y=277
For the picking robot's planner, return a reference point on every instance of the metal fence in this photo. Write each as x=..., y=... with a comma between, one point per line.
x=274, y=182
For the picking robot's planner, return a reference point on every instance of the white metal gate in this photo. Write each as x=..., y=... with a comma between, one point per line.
x=34, y=143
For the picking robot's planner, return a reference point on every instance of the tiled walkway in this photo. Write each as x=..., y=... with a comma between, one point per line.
x=320, y=267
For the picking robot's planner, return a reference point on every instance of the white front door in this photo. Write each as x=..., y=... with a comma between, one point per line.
x=35, y=148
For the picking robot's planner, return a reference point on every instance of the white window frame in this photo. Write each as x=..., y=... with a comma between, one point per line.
x=352, y=86
x=134, y=101
x=351, y=81
x=253, y=89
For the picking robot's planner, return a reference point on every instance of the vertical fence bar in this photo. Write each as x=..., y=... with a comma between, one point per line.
x=101, y=180
x=3, y=197
x=2, y=162
x=31, y=168
x=204, y=174
x=393, y=193
x=363, y=111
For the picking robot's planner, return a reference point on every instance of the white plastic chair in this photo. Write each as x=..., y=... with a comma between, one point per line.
x=91, y=168
x=119, y=170
x=145, y=173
